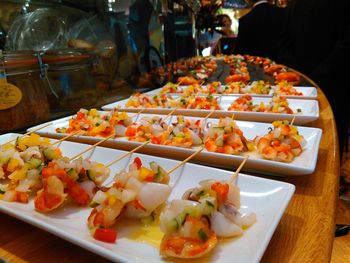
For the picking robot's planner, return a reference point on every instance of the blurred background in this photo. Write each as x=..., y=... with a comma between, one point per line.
x=64, y=55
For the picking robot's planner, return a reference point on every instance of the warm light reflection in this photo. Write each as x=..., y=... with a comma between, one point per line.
x=249, y=194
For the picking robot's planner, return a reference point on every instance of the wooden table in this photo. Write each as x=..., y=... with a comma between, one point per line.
x=305, y=233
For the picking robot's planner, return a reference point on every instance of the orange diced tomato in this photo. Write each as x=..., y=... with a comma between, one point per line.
x=105, y=235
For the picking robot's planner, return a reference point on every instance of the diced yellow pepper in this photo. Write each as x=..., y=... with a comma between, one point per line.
x=111, y=200
x=34, y=139
x=177, y=139
x=12, y=164
x=19, y=174
x=145, y=172
x=93, y=112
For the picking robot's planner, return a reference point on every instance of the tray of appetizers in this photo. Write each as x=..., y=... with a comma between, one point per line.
x=136, y=209
x=256, y=89
x=278, y=148
x=244, y=107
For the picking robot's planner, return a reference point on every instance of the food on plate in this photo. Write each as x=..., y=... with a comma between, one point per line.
x=245, y=103
x=274, y=69
x=288, y=76
x=285, y=88
x=260, y=87
x=237, y=78
x=93, y=123
x=226, y=137
x=199, y=102
x=192, y=225
x=146, y=129
x=279, y=104
x=183, y=133
x=21, y=164
x=283, y=143
x=170, y=88
x=187, y=80
x=139, y=100
x=135, y=193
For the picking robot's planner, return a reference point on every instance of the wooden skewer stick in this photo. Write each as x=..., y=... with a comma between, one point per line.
x=187, y=159
x=233, y=177
x=206, y=117
x=66, y=137
x=291, y=123
x=135, y=115
x=169, y=114
x=127, y=154
x=91, y=147
x=233, y=116
x=27, y=133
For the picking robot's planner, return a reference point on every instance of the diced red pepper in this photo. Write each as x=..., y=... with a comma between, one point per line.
x=105, y=235
x=221, y=190
x=138, y=162
x=80, y=115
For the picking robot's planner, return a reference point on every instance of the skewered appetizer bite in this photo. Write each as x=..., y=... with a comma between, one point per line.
x=184, y=133
x=260, y=87
x=93, y=123
x=146, y=129
x=285, y=88
x=199, y=102
x=21, y=164
x=279, y=104
x=283, y=143
x=135, y=193
x=193, y=224
x=149, y=101
x=245, y=103
x=170, y=88
x=226, y=137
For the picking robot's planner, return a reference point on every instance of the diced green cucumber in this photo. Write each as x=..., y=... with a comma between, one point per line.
x=208, y=205
x=202, y=235
x=219, y=141
x=34, y=163
x=49, y=154
x=147, y=219
x=91, y=174
x=73, y=174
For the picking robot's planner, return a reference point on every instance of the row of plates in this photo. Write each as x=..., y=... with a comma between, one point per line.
x=301, y=165
x=309, y=110
x=308, y=92
x=267, y=198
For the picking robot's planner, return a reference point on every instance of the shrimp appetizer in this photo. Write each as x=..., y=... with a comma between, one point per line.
x=198, y=102
x=285, y=88
x=260, y=87
x=149, y=101
x=93, y=123
x=193, y=224
x=279, y=104
x=146, y=129
x=245, y=103
x=226, y=137
x=283, y=143
x=21, y=165
x=184, y=133
x=136, y=193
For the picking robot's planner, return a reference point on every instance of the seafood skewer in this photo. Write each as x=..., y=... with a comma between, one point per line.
x=136, y=193
x=192, y=225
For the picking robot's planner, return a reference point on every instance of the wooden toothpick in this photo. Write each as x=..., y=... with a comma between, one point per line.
x=233, y=177
x=186, y=160
x=66, y=137
x=291, y=123
x=91, y=147
x=127, y=154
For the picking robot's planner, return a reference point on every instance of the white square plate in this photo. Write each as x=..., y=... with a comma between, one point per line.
x=267, y=198
x=309, y=110
x=301, y=165
x=309, y=93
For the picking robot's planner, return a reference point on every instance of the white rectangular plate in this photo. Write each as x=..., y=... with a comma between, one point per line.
x=309, y=108
x=301, y=165
x=267, y=198
x=309, y=93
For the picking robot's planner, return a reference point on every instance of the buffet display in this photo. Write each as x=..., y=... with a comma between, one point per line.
x=136, y=207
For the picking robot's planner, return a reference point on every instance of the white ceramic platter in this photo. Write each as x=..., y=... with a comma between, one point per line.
x=309, y=110
x=267, y=198
x=309, y=93
x=301, y=165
